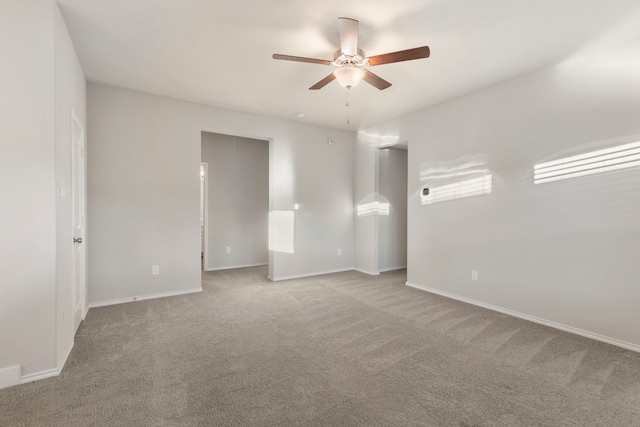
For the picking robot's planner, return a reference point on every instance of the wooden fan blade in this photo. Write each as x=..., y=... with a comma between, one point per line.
x=402, y=55
x=375, y=81
x=348, y=36
x=301, y=59
x=322, y=83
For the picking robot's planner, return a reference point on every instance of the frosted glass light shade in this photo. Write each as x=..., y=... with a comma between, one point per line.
x=349, y=76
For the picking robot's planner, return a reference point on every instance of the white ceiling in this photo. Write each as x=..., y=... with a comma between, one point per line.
x=218, y=52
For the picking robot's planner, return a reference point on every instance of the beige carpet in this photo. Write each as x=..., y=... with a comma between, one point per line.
x=343, y=349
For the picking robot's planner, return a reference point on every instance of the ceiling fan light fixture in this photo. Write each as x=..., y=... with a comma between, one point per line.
x=349, y=75
x=352, y=63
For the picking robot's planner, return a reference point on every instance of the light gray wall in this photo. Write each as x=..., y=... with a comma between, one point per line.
x=143, y=180
x=238, y=200
x=70, y=96
x=143, y=190
x=565, y=252
x=393, y=227
x=27, y=186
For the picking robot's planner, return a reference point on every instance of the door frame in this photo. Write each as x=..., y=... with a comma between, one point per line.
x=271, y=142
x=205, y=211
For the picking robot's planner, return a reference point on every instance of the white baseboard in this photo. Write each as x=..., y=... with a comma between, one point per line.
x=236, y=266
x=143, y=297
x=13, y=375
x=315, y=273
x=10, y=376
x=384, y=270
x=40, y=375
x=369, y=272
x=571, y=329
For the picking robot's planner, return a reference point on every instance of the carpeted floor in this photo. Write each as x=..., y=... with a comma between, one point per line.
x=343, y=349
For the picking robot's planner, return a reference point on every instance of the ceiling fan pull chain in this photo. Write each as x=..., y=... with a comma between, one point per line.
x=348, y=118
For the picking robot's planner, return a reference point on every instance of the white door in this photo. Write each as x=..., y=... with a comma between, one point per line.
x=78, y=203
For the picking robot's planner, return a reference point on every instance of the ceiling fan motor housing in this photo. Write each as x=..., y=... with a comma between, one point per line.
x=340, y=59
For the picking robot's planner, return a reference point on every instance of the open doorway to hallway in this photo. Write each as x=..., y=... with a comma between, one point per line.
x=234, y=201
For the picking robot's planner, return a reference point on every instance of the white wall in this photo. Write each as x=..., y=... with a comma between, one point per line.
x=27, y=186
x=393, y=227
x=143, y=189
x=565, y=252
x=70, y=89
x=238, y=200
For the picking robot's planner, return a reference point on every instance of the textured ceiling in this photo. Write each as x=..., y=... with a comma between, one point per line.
x=219, y=52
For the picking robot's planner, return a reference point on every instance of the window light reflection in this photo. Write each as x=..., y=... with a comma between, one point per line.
x=373, y=208
x=605, y=160
x=458, y=190
x=281, y=231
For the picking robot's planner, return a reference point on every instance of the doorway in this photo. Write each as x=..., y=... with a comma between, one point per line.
x=392, y=225
x=235, y=201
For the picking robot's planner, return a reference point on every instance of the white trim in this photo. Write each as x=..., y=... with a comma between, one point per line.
x=10, y=376
x=237, y=266
x=66, y=356
x=37, y=376
x=234, y=133
x=315, y=273
x=400, y=267
x=571, y=329
x=369, y=272
x=205, y=184
x=143, y=297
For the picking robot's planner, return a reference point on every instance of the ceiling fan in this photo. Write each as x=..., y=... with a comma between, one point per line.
x=352, y=63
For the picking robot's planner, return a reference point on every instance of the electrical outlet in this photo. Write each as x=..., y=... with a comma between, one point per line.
x=155, y=269
x=474, y=274
x=228, y=249
x=339, y=251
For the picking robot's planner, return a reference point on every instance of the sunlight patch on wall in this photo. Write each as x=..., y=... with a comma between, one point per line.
x=377, y=140
x=281, y=231
x=439, y=173
x=373, y=208
x=599, y=161
x=457, y=190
